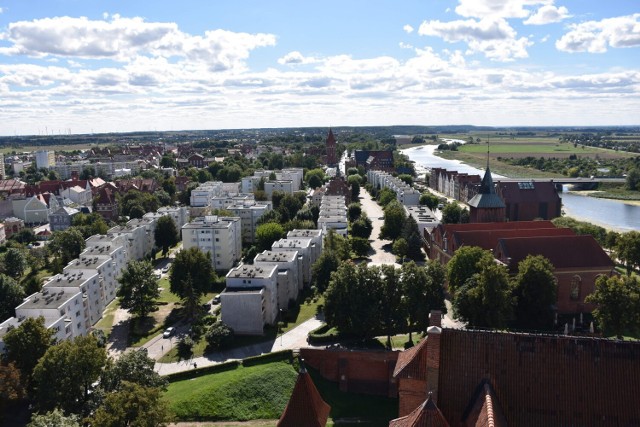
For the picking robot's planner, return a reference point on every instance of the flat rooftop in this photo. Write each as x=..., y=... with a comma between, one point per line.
x=48, y=300
x=251, y=271
x=276, y=256
x=73, y=279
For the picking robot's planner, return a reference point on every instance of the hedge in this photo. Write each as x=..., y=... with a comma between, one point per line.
x=276, y=356
x=193, y=373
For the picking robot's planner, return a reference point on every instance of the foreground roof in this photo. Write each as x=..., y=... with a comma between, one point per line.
x=425, y=415
x=306, y=407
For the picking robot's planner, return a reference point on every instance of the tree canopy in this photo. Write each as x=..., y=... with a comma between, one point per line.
x=165, y=234
x=618, y=304
x=394, y=218
x=535, y=290
x=133, y=366
x=628, y=250
x=27, y=343
x=191, y=274
x=138, y=288
x=268, y=233
x=11, y=295
x=465, y=262
x=66, y=245
x=15, y=262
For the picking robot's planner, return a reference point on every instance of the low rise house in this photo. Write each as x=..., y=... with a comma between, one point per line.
x=62, y=218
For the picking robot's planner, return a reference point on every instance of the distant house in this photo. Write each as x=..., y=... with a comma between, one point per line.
x=13, y=225
x=374, y=159
x=35, y=209
x=106, y=203
x=62, y=218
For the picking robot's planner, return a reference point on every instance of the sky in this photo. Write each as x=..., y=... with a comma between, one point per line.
x=94, y=66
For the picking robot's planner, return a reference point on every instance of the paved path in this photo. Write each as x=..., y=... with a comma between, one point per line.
x=119, y=337
x=382, y=248
x=294, y=339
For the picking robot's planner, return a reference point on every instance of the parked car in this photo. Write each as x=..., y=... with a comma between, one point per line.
x=166, y=269
x=216, y=299
x=168, y=333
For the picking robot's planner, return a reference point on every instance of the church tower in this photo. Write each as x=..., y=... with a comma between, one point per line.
x=331, y=149
x=487, y=206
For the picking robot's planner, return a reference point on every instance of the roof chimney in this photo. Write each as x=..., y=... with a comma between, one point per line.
x=433, y=353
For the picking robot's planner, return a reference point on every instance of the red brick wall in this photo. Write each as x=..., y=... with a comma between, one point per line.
x=412, y=394
x=565, y=277
x=367, y=372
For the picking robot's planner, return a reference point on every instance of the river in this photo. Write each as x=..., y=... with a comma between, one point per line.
x=612, y=214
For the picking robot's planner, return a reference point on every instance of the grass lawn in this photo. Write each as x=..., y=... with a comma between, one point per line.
x=540, y=148
x=105, y=324
x=257, y=392
x=399, y=342
x=261, y=392
x=296, y=316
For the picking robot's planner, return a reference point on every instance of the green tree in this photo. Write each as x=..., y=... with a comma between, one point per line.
x=289, y=207
x=359, y=245
x=485, y=300
x=400, y=248
x=393, y=315
x=466, y=261
x=452, y=213
x=326, y=264
x=352, y=300
x=338, y=245
x=632, y=182
x=165, y=234
x=535, y=290
x=219, y=336
x=27, y=343
x=422, y=292
x=132, y=405
x=12, y=388
x=11, y=295
x=191, y=274
x=15, y=262
x=362, y=227
x=618, y=304
x=64, y=376
x=386, y=196
x=429, y=200
x=24, y=236
x=138, y=288
x=628, y=250
x=394, y=218
x=411, y=233
x=354, y=210
x=134, y=366
x=90, y=224
x=268, y=233
x=55, y=418
x=66, y=245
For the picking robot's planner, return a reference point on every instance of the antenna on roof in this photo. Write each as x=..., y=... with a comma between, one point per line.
x=488, y=146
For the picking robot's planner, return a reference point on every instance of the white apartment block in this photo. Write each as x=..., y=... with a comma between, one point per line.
x=224, y=201
x=66, y=303
x=284, y=186
x=107, y=168
x=45, y=159
x=220, y=236
x=117, y=254
x=316, y=237
x=180, y=214
x=105, y=268
x=3, y=173
x=140, y=234
x=307, y=250
x=250, y=299
x=58, y=324
x=285, y=261
x=78, y=195
x=249, y=184
x=89, y=284
x=406, y=194
x=292, y=174
x=424, y=216
x=249, y=213
x=333, y=215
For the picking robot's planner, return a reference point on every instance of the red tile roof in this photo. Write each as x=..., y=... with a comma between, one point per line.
x=541, y=380
x=488, y=239
x=514, y=225
x=412, y=363
x=562, y=251
x=425, y=415
x=485, y=410
x=306, y=407
x=512, y=192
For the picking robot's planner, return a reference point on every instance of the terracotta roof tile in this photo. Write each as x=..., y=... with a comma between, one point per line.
x=412, y=363
x=425, y=415
x=488, y=239
x=562, y=251
x=485, y=410
x=306, y=407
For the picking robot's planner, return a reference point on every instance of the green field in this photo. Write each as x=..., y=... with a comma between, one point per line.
x=62, y=147
x=262, y=392
x=529, y=149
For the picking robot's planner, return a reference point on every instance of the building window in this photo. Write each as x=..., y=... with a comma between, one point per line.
x=576, y=285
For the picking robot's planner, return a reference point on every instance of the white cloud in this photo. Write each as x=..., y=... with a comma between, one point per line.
x=497, y=8
x=596, y=36
x=295, y=57
x=1, y=9
x=548, y=14
x=408, y=29
x=495, y=38
x=122, y=39
x=545, y=38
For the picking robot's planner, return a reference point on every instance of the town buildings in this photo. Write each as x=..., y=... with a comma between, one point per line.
x=45, y=159
x=221, y=237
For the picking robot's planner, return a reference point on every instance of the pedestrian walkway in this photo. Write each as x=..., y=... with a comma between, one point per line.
x=292, y=340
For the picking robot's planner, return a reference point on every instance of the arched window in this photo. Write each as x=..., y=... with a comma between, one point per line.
x=576, y=288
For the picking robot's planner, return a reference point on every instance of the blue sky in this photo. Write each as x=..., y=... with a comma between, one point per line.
x=75, y=66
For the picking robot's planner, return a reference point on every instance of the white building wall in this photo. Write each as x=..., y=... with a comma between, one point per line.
x=242, y=311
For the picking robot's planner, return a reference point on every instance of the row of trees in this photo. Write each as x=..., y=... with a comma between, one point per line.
x=484, y=295
x=365, y=301
x=75, y=380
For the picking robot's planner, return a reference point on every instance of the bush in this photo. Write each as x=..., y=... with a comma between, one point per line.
x=185, y=347
x=219, y=336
